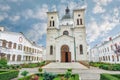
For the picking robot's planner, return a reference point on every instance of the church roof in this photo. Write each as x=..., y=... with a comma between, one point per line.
x=67, y=14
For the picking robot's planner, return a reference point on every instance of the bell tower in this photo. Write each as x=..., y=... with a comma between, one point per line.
x=52, y=20
x=78, y=16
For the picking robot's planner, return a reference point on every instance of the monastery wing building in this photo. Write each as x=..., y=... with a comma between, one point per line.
x=18, y=49
x=66, y=37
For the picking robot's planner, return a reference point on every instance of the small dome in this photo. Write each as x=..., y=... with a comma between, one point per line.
x=67, y=14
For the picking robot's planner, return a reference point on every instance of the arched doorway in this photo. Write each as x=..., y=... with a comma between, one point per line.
x=65, y=54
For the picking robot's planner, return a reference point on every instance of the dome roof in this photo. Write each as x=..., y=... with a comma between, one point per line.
x=67, y=14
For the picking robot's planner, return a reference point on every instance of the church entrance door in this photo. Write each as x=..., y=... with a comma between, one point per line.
x=65, y=54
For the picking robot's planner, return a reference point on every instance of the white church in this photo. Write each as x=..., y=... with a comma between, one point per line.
x=66, y=37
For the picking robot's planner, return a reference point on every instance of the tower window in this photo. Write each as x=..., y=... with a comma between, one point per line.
x=51, y=50
x=53, y=23
x=81, y=49
x=65, y=33
x=77, y=21
x=78, y=15
x=81, y=21
x=50, y=23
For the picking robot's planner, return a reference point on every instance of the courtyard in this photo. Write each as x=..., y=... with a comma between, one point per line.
x=85, y=73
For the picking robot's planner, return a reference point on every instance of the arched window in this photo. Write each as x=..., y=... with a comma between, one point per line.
x=53, y=23
x=14, y=45
x=112, y=58
x=50, y=23
x=4, y=43
x=77, y=21
x=81, y=21
x=65, y=33
x=81, y=49
x=9, y=44
x=51, y=50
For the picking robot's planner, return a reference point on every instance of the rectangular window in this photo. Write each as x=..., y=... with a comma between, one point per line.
x=81, y=49
x=77, y=21
x=4, y=43
x=53, y=23
x=81, y=22
x=9, y=44
x=51, y=50
x=14, y=46
x=50, y=23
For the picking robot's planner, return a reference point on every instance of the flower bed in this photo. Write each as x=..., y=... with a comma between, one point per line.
x=7, y=75
x=51, y=76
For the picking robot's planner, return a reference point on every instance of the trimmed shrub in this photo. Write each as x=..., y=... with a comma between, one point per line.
x=69, y=70
x=107, y=77
x=40, y=69
x=49, y=76
x=67, y=75
x=8, y=75
x=24, y=73
x=3, y=61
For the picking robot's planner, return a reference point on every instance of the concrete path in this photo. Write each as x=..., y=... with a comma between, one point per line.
x=57, y=65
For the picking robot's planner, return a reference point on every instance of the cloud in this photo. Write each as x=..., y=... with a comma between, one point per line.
x=3, y=16
x=14, y=18
x=100, y=6
x=112, y=16
x=96, y=30
x=38, y=13
x=37, y=31
x=98, y=9
x=54, y=8
x=4, y=7
x=15, y=0
x=103, y=2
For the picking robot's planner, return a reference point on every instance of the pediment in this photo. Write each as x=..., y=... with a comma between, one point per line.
x=65, y=37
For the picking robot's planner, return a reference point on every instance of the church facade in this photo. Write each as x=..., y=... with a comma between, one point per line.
x=66, y=37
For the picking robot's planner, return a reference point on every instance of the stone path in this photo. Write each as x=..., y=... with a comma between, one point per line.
x=85, y=74
x=73, y=65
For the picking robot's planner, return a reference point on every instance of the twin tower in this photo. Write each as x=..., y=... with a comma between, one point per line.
x=66, y=37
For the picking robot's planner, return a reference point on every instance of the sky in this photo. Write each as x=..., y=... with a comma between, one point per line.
x=102, y=17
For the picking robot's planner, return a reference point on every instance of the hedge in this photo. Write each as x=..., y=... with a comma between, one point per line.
x=106, y=66
x=25, y=78
x=76, y=76
x=116, y=75
x=108, y=77
x=7, y=75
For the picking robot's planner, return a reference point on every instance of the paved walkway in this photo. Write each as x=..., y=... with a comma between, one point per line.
x=57, y=65
x=85, y=74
